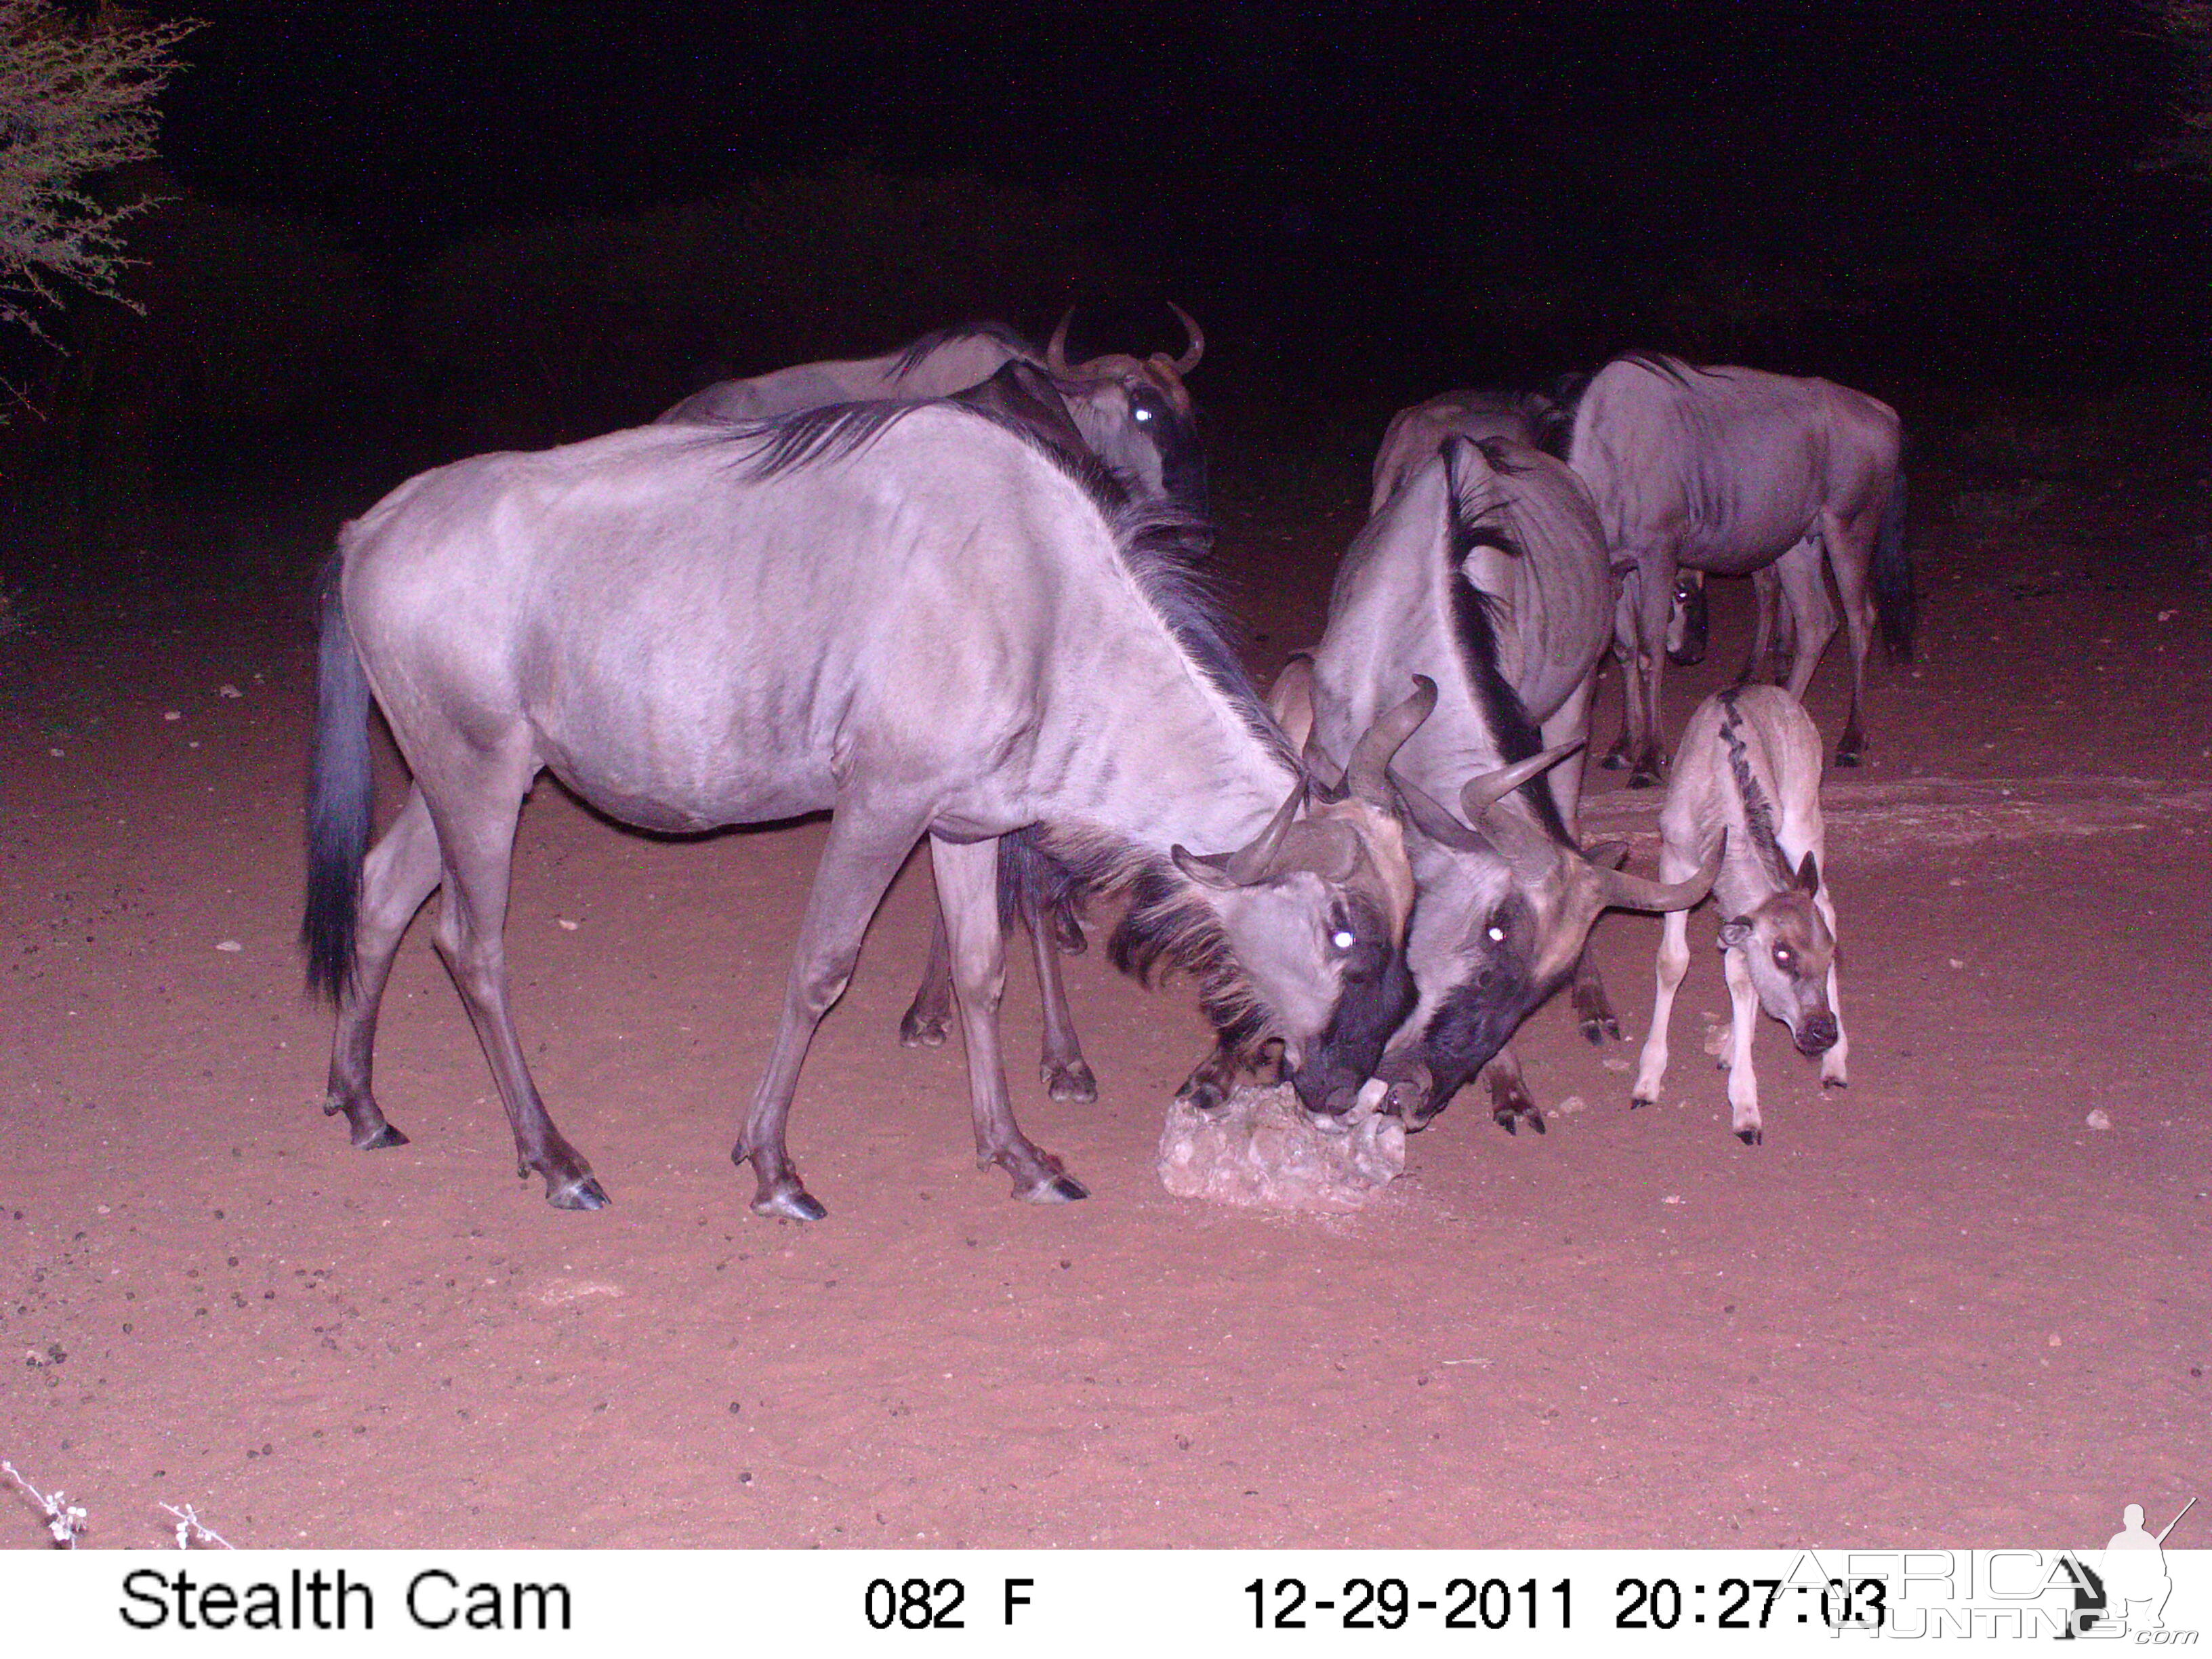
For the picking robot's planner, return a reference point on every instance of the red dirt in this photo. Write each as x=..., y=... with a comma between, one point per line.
x=1937, y=1308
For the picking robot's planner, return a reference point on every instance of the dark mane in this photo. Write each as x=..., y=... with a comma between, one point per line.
x=1475, y=629
x=784, y=443
x=912, y=353
x=1166, y=926
x=1024, y=395
x=1757, y=810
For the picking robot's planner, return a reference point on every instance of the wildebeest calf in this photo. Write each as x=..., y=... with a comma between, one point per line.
x=1749, y=769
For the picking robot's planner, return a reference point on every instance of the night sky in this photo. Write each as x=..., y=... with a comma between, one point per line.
x=1961, y=182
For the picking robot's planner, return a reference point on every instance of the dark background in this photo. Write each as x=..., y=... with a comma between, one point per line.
x=394, y=234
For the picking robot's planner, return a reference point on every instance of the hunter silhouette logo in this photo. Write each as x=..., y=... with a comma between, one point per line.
x=2136, y=1581
x=2126, y=1591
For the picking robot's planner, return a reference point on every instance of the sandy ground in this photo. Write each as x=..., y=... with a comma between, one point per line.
x=1939, y=1308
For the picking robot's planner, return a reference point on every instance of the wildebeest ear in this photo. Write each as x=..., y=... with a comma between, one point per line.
x=1808, y=875
x=1735, y=933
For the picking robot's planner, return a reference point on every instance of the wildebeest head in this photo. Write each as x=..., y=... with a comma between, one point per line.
x=1685, y=619
x=1505, y=912
x=1787, y=947
x=1312, y=917
x=1136, y=417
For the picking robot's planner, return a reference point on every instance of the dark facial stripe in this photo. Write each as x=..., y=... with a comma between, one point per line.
x=1371, y=1008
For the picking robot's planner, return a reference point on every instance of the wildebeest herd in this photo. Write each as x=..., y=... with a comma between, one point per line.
x=958, y=591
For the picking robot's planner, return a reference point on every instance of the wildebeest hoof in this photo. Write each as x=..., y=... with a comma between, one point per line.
x=1615, y=760
x=1637, y=1103
x=1056, y=1189
x=922, y=1031
x=1071, y=1082
x=791, y=1203
x=1751, y=1137
x=1204, y=1093
x=1598, y=1027
x=1849, y=757
x=1835, y=1083
x=380, y=1138
x=1642, y=778
x=584, y=1192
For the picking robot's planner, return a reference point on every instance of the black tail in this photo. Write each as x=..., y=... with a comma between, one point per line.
x=1891, y=575
x=341, y=800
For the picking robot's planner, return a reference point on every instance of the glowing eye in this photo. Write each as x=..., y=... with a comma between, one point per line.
x=1343, y=941
x=1497, y=936
x=1144, y=415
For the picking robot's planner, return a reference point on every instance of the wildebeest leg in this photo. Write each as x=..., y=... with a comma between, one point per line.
x=1066, y=1075
x=1761, y=662
x=1625, y=654
x=1834, y=1064
x=863, y=854
x=1851, y=554
x=1593, y=1014
x=399, y=873
x=1510, y=1104
x=1674, y=963
x=1569, y=721
x=968, y=894
x=1815, y=619
x=1656, y=595
x=1743, y=1014
x=929, y=1016
x=475, y=836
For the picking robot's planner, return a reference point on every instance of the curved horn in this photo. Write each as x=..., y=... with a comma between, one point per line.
x=1627, y=892
x=1371, y=759
x=1290, y=699
x=1196, y=348
x=1249, y=862
x=1055, y=352
x=1483, y=792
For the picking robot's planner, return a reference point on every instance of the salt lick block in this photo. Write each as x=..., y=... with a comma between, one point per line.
x=1260, y=1151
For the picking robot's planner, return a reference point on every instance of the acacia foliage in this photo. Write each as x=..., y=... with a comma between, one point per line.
x=76, y=100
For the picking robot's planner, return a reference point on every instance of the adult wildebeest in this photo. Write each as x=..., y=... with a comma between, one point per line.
x=1414, y=434
x=1485, y=572
x=912, y=616
x=1134, y=414
x=1727, y=471
x=1748, y=772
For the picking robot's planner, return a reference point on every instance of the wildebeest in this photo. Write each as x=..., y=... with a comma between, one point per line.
x=909, y=616
x=1484, y=572
x=1748, y=772
x=1727, y=471
x=1414, y=434
x=1134, y=414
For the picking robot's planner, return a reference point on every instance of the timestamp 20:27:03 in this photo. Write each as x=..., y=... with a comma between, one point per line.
x=1495, y=1604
